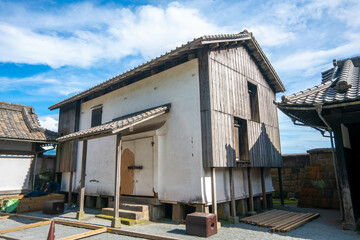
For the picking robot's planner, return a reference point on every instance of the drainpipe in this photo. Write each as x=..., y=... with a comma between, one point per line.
x=318, y=108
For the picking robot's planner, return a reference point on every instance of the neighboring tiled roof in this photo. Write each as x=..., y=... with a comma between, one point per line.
x=339, y=84
x=20, y=122
x=245, y=37
x=118, y=124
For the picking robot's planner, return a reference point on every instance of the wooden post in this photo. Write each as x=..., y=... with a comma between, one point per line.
x=342, y=155
x=232, y=193
x=213, y=191
x=34, y=172
x=281, y=187
x=251, y=197
x=70, y=187
x=116, y=223
x=263, y=188
x=81, y=214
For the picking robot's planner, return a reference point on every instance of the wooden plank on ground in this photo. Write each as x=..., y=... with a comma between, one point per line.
x=140, y=235
x=269, y=222
x=86, y=234
x=78, y=224
x=267, y=217
x=300, y=223
x=32, y=225
x=286, y=221
x=257, y=216
x=5, y=217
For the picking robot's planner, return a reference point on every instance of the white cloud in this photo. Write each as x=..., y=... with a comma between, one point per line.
x=312, y=61
x=84, y=34
x=272, y=35
x=49, y=122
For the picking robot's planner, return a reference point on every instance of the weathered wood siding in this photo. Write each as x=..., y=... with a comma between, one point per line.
x=68, y=123
x=230, y=70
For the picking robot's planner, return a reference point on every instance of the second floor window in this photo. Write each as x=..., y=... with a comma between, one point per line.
x=96, y=116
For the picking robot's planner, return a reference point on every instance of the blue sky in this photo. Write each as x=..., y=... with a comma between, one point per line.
x=50, y=50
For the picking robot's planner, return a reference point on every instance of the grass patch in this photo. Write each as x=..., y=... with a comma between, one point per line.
x=277, y=202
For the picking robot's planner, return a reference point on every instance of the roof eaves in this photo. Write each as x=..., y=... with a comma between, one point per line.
x=196, y=43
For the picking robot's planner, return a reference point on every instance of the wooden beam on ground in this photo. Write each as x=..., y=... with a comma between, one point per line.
x=140, y=235
x=86, y=234
x=213, y=191
x=5, y=217
x=116, y=223
x=263, y=188
x=24, y=216
x=81, y=214
x=77, y=224
x=10, y=238
x=32, y=225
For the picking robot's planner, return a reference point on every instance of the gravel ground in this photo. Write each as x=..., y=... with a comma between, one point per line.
x=327, y=226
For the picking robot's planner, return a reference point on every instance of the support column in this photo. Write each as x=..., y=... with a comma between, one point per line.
x=232, y=218
x=343, y=154
x=281, y=187
x=81, y=214
x=213, y=191
x=116, y=223
x=251, y=197
x=70, y=188
x=263, y=188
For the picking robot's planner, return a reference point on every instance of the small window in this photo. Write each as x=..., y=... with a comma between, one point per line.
x=241, y=140
x=96, y=116
x=254, y=103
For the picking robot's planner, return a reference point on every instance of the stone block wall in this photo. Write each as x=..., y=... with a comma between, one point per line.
x=310, y=178
x=292, y=172
x=319, y=188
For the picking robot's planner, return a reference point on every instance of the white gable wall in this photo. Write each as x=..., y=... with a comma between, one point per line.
x=179, y=161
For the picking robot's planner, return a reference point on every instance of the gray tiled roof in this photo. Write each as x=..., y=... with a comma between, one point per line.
x=339, y=84
x=19, y=122
x=247, y=38
x=121, y=123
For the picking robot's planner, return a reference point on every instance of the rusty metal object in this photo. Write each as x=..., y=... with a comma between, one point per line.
x=201, y=224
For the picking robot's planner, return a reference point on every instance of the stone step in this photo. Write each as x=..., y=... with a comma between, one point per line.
x=134, y=207
x=136, y=215
x=140, y=200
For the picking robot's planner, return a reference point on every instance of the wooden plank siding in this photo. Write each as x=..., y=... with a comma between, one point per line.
x=229, y=71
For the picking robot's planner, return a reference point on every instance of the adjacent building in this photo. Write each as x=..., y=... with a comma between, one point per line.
x=21, y=141
x=334, y=106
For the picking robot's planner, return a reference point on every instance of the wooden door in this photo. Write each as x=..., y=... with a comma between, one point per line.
x=137, y=167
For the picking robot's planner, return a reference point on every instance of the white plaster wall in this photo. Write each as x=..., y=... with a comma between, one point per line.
x=15, y=145
x=178, y=163
x=14, y=172
x=240, y=183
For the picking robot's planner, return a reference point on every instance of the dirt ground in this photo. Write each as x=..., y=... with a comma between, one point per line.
x=327, y=226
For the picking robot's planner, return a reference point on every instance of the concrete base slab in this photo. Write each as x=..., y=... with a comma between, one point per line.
x=116, y=223
x=80, y=215
x=233, y=219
